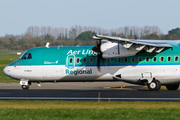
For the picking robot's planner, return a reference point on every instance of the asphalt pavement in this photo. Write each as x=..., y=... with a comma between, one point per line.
x=88, y=91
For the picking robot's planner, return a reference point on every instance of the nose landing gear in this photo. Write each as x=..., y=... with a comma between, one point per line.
x=25, y=87
x=25, y=84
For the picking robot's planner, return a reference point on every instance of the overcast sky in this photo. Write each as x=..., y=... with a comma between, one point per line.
x=18, y=15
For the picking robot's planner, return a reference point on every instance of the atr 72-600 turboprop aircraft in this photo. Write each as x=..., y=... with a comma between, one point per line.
x=145, y=62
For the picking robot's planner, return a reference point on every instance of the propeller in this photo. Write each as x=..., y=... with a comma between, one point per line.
x=98, y=50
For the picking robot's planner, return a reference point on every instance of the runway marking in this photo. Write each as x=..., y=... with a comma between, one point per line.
x=74, y=98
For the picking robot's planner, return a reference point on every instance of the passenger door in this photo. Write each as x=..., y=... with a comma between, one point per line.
x=51, y=66
x=70, y=61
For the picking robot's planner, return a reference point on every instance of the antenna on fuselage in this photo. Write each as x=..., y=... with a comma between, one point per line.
x=47, y=44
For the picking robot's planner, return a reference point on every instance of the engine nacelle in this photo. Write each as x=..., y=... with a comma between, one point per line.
x=111, y=50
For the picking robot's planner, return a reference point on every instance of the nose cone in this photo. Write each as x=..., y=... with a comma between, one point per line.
x=6, y=71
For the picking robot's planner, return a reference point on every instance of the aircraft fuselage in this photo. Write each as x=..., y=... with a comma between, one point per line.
x=80, y=64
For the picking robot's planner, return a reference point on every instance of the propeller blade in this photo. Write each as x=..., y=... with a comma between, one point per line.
x=97, y=47
x=98, y=64
x=98, y=50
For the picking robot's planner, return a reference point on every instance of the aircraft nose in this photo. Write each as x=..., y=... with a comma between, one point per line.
x=7, y=71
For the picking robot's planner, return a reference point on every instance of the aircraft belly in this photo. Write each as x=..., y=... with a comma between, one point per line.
x=165, y=74
x=169, y=74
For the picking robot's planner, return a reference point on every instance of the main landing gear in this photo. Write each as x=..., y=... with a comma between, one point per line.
x=172, y=87
x=155, y=85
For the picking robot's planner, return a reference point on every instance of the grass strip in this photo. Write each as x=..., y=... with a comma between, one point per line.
x=89, y=114
x=88, y=110
x=9, y=56
x=87, y=105
x=4, y=78
x=6, y=62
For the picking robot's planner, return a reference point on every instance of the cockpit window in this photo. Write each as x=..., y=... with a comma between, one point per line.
x=24, y=56
x=29, y=56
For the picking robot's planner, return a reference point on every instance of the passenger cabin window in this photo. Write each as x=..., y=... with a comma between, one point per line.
x=118, y=59
x=29, y=56
x=176, y=58
x=154, y=59
x=140, y=59
x=161, y=59
x=91, y=60
x=132, y=59
x=147, y=59
x=168, y=58
x=112, y=60
x=84, y=60
x=125, y=59
x=77, y=60
x=70, y=60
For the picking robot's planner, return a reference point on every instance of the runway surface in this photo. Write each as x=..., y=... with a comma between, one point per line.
x=104, y=91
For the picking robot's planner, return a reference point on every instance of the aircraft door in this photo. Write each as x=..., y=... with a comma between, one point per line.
x=51, y=66
x=70, y=61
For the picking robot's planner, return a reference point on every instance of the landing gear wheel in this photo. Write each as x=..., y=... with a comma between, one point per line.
x=25, y=87
x=155, y=85
x=172, y=87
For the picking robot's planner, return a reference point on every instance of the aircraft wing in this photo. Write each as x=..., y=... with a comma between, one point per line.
x=148, y=45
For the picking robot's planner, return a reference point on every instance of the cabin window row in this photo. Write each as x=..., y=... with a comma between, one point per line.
x=112, y=60
x=147, y=59
x=162, y=59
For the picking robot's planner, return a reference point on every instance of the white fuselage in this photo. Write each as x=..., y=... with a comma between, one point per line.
x=166, y=74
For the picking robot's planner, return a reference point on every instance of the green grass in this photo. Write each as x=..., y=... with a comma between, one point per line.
x=4, y=78
x=89, y=114
x=5, y=62
x=9, y=55
x=87, y=105
x=6, y=57
x=76, y=110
